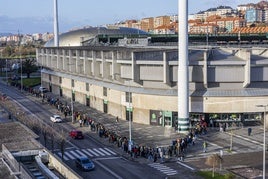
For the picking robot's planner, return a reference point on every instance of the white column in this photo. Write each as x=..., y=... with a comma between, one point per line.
x=56, y=25
x=183, y=87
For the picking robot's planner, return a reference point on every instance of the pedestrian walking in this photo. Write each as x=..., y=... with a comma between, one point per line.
x=116, y=120
x=80, y=122
x=249, y=131
x=204, y=146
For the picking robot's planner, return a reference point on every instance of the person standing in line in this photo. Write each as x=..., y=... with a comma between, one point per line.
x=80, y=122
x=116, y=120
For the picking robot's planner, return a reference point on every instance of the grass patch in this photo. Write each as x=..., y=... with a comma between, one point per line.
x=30, y=82
x=208, y=175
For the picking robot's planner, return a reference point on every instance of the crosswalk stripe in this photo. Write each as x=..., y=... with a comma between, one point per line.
x=64, y=156
x=86, y=152
x=75, y=154
x=96, y=150
x=107, y=153
x=187, y=166
x=110, y=151
x=174, y=173
x=164, y=169
x=81, y=153
x=69, y=155
x=94, y=153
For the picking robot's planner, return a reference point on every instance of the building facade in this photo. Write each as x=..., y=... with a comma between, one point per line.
x=141, y=83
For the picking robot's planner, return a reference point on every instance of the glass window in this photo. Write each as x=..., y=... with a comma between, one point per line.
x=87, y=87
x=129, y=97
x=104, y=91
x=72, y=83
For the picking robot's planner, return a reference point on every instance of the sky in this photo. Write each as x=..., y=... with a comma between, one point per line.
x=36, y=16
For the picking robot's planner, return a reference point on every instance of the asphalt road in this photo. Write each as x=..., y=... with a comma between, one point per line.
x=109, y=164
x=246, y=150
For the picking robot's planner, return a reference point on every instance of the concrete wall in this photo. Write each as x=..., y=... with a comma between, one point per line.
x=233, y=104
x=66, y=171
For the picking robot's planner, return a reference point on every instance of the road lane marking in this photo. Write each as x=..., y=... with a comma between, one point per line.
x=96, y=150
x=94, y=153
x=110, y=151
x=107, y=153
x=187, y=166
x=108, y=170
x=86, y=152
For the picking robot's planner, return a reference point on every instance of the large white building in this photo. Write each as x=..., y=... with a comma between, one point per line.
x=225, y=84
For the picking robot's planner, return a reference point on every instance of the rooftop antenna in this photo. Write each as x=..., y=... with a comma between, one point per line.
x=56, y=25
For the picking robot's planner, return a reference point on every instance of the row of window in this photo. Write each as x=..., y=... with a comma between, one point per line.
x=127, y=94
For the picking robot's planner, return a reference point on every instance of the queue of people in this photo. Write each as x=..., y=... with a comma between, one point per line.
x=177, y=148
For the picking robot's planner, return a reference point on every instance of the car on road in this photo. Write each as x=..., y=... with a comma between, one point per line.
x=84, y=163
x=76, y=134
x=55, y=118
x=43, y=89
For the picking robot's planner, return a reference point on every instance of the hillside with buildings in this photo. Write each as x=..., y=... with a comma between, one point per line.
x=245, y=18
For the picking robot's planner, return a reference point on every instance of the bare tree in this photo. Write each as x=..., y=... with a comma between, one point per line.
x=62, y=140
x=52, y=135
x=213, y=161
x=45, y=130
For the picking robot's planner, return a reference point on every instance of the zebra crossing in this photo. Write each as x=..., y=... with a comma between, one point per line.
x=89, y=152
x=164, y=169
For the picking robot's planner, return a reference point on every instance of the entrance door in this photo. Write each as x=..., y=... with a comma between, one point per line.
x=168, y=121
x=87, y=101
x=60, y=92
x=105, y=108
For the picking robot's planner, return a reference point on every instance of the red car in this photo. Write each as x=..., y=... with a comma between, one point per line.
x=76, y=134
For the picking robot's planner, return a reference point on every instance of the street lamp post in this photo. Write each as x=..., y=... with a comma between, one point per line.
x=21, y=83
x=129, y=114
x=72, y=108
x=129, y=118
x=6, y=73
x=264, y=145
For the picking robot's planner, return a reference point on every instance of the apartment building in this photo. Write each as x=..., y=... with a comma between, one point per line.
x=253, y=15
x=161, y=20
x=147, y=24
x=166, y=29
x=203, y=29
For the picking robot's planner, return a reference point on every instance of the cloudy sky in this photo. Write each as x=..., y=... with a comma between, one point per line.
x=36, y=16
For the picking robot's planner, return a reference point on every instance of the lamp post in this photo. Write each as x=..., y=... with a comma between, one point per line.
x=129, y=118
x=264, y=145
x=72, y=108
x=129, y=114
x=21, y=83
x=6, y=73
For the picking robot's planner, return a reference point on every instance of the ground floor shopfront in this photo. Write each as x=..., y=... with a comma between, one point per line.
x=169, y=119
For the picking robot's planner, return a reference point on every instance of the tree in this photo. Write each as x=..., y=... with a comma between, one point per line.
x=29, y=66
x=213, y=161
x=8, y=51
x=62, y=140
x=45, y=132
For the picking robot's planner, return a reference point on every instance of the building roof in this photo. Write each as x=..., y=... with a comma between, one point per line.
x=13, y=133
x=75, y=37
